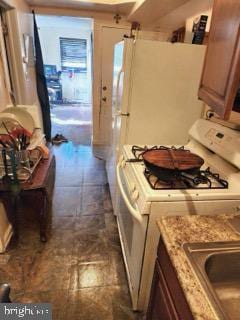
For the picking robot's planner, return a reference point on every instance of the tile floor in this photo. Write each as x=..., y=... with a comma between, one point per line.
x=66, y=118
x=80, y=269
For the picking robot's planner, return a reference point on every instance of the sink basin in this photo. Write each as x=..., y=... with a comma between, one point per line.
x=223, y=271
x=217, y=265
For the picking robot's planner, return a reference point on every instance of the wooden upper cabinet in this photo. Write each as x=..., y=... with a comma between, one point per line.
x=221, y=72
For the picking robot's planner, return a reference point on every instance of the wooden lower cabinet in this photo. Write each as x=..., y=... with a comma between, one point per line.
x=167, y=300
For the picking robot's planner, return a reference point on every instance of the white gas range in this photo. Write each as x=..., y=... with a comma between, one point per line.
x=142, y=198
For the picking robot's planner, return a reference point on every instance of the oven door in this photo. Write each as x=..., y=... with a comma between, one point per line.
x=132, y=226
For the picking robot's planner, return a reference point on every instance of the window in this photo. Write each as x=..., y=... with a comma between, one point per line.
x=73, y=54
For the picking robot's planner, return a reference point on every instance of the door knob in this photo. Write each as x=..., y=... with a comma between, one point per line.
x=104, y=88
x=104, y=99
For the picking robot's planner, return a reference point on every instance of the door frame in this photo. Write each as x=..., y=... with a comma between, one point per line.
x=5, y=60
x=13, y=51
x=4, y=52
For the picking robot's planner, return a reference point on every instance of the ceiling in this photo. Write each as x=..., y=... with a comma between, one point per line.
x=177, y=18
x=151, y=10
x=160, y=14
x=113, y=6
x=143, y=11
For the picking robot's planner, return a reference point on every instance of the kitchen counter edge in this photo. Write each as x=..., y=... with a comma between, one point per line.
x=177, y=230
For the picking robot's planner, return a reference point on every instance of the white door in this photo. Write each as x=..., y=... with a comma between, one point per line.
x=110, y=36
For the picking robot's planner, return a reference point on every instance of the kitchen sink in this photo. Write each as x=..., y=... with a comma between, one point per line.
x=217, y=265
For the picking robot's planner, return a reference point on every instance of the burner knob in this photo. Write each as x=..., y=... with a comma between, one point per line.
x=132, y=186
x=135, y=195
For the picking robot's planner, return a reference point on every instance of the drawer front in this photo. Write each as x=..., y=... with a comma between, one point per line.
x=161, y=306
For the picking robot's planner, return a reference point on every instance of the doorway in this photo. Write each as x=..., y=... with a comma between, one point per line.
x=66, y=44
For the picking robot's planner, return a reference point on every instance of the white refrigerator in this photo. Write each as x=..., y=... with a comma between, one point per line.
x=155, y=96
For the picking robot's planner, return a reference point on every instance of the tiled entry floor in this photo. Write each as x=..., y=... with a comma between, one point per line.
x=73, y=121
x=80, y=269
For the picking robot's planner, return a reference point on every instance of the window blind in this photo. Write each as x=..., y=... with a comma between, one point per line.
x=73, y=54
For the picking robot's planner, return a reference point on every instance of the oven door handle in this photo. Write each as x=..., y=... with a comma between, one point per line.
x=135, y=213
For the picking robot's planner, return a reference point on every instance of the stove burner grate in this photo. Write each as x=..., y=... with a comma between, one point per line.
x=204, y=179
x=138, y=151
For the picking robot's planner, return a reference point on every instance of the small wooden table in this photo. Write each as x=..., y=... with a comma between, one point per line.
x=39, y=189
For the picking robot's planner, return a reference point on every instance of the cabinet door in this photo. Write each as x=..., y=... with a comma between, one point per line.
x=161, y=306
x=221, y=71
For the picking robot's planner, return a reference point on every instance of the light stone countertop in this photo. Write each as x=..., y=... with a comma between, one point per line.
x=176, y=231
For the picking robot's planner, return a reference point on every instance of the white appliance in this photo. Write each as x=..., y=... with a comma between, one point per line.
x=139, y=205
x=155, y=87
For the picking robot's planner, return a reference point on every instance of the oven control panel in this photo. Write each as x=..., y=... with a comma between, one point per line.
x=218, y=137
x=222, y=140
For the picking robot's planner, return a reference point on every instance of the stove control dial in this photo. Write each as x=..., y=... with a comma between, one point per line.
x=135, y=195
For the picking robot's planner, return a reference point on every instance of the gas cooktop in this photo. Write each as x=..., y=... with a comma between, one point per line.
x=202, y=179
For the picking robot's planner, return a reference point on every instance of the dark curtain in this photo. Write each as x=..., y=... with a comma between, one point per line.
x=42, y=84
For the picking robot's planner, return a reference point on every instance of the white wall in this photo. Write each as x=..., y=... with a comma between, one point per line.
x=22, y=23
x=51, y=28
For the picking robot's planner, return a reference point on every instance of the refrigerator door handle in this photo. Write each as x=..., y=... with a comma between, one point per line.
x=121, y=114
x=117, y=88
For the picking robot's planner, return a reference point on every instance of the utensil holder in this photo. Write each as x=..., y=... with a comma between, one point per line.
x=23, y=158
x=26, y=163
